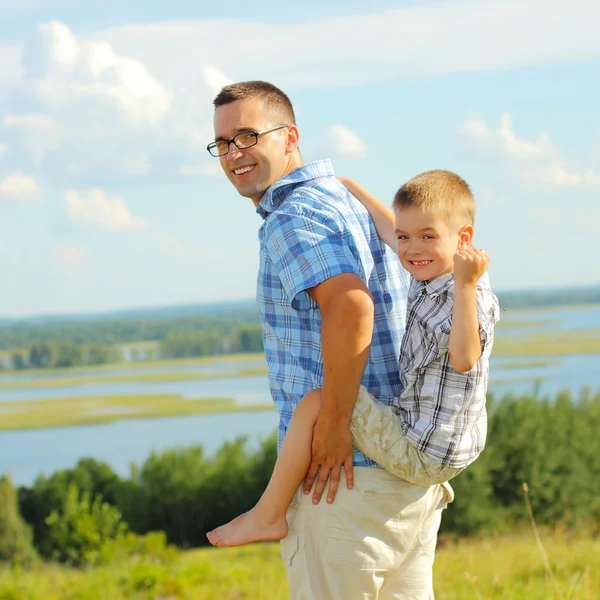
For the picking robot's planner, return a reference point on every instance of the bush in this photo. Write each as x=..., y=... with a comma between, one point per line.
x=80, y=531
x=15, y=535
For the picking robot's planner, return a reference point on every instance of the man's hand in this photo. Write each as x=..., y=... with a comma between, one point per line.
x=331, y=449
x=469, y=265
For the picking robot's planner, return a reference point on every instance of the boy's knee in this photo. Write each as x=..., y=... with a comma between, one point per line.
x=310, y=403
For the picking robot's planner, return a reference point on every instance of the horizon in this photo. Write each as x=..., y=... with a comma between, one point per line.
x=242, y=301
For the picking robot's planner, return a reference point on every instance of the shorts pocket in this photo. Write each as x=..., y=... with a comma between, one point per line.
x=289, y=547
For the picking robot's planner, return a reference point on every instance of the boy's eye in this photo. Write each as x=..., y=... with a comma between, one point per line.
x=428, y=237
x=402, y=238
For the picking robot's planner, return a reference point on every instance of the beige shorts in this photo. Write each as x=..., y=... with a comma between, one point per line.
x=377, y=432
x=376, y=540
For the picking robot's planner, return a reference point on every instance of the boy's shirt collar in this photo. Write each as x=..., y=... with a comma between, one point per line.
x=281, y=189
x=444, y=283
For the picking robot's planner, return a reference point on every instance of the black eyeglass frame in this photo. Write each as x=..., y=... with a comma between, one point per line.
x=256, y=134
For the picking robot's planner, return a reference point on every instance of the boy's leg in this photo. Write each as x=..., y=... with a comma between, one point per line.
x=267, y=520
x=364, y=542
x=378, y=433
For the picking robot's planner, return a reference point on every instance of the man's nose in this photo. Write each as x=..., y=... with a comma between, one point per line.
x=234, y=152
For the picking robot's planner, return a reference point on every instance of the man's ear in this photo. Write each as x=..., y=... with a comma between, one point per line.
x=465, y=237
x=293, y=139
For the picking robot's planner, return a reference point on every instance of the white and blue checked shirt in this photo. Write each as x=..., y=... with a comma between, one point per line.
x=315, y=229
x=443, y=412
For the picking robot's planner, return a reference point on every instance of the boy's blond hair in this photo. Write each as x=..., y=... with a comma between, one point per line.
x=438, y=191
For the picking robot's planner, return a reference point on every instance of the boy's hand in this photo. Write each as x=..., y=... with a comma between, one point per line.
x=469, y=265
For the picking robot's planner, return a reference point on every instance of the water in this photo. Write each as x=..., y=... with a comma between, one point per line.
x=27, y=453
x=246, y=390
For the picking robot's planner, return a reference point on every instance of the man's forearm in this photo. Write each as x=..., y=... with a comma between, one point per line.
x=347, y=329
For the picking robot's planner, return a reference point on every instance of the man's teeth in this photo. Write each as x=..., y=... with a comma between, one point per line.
x=242, y=170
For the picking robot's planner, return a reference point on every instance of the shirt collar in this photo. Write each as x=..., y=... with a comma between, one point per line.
x=442, y=284
x=437, y=286
x=277, y=193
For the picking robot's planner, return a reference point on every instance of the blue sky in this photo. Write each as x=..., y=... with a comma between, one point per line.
x=109, y=200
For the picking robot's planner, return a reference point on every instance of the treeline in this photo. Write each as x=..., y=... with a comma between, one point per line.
x=553, y=445
x=127, y=327
x=44, y=355
x=157, y=324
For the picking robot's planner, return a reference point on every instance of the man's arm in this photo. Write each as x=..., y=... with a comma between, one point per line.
x=464, y=346
x=347, y=327
x=382, y=216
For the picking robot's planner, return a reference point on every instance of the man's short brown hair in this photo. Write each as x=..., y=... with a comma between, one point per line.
x=438, y=190
x=273, y=98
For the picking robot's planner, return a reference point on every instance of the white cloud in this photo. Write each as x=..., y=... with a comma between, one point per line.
x=538, y=161
x=344, y=142
x=215, y=79
x=75, y=71
x=20, y=188
x=591, y=178
x=3, y=148
x=69, y=256
x=418, y=40
x=97, y=209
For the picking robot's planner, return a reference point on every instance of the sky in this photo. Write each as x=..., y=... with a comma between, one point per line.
x=109, y=199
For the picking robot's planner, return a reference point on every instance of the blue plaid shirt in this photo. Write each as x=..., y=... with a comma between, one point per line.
x=315, y=229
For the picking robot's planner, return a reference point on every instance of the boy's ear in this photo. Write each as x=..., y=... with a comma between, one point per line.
x=465, y=237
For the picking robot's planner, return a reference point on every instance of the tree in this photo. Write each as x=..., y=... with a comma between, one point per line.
x=15, y=536
x=40, y=355
x=78, y=532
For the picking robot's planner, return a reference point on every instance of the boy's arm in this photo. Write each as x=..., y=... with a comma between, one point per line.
x=464, y=346
x=382, y=216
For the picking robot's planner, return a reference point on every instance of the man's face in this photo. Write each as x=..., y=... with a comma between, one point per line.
x=253, y=170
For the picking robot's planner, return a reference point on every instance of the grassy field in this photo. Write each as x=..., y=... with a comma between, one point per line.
x=503, y=568
x=175, y=362
x=156, y=377
x=581, y=341
x=65, y=412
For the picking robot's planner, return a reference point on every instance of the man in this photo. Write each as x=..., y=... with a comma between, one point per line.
x=332, y=301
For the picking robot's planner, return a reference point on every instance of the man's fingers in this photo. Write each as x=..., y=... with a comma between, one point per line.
x=349, y=473
x=310, y=476
x=321, y=482
x=334, y=483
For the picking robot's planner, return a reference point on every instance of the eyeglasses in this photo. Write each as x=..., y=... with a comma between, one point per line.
x=243, y=140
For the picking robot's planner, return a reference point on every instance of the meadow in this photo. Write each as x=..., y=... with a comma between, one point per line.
x=507, y=567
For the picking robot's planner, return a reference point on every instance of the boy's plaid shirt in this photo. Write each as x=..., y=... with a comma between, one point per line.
x=315, y=229
x=443, y=411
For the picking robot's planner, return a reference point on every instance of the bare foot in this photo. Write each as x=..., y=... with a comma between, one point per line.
x=247, y=528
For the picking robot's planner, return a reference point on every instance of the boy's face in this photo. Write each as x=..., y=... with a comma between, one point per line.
x=427, y=241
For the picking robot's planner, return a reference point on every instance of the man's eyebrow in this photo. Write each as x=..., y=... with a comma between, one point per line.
x=236, y=131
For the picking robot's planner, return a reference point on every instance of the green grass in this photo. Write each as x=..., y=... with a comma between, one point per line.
x=202, y=360
x=581, y=341
x=502, y=568
x=67, y=412
x=508, y=323
x=140, y=377
x=529, y=364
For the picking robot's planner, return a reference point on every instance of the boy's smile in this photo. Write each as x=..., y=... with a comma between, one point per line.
x=428, y=240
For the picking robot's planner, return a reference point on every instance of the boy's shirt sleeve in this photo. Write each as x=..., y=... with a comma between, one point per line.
x=488, y=314
x=306, y=248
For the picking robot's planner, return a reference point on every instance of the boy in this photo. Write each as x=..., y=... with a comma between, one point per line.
x=439, y=426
